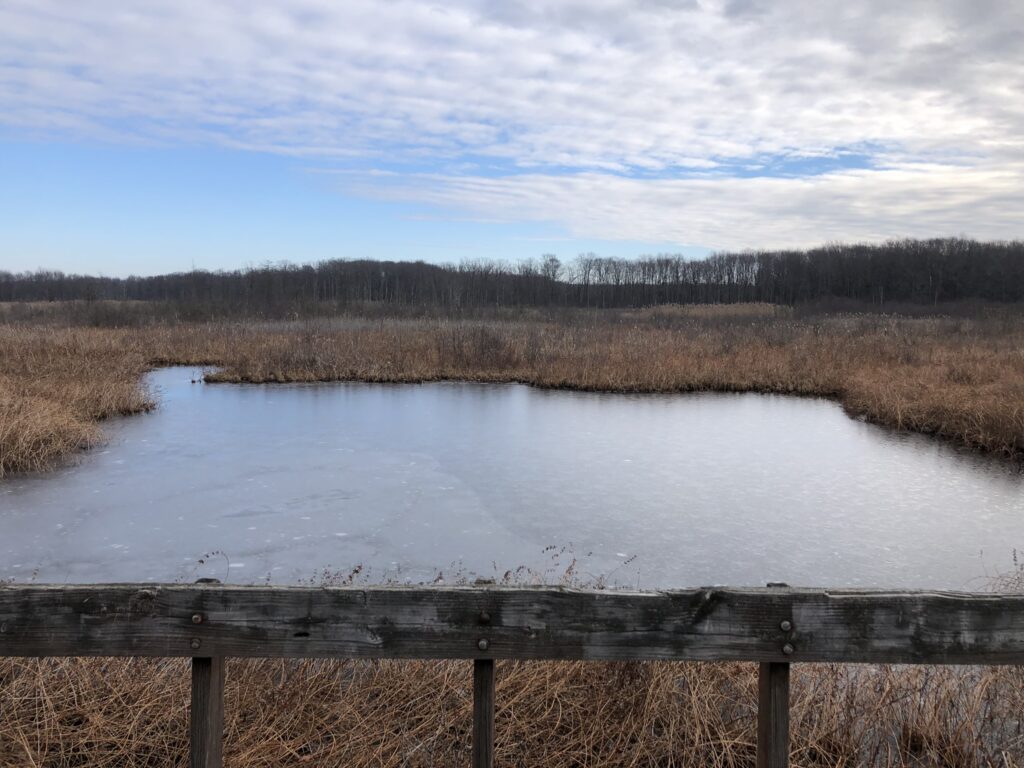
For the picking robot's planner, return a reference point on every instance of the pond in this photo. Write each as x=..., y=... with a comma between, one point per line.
x=283, y=483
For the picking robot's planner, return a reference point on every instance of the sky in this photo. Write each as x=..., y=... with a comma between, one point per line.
x=162, y=135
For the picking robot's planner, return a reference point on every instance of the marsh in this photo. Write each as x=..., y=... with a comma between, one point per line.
x=279, y=482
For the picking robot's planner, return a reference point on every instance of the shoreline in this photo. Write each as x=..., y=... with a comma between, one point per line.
x=959, y=381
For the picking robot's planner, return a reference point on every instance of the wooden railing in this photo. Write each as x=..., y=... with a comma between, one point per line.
x=776, y=626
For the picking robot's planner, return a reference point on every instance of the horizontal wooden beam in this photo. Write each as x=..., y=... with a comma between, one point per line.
x=707, y=624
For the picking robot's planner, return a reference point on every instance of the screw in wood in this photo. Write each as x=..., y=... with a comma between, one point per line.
x=195, y=643
x=785, y=625
x=482, y=644
x=788, y=649
x=197, y=618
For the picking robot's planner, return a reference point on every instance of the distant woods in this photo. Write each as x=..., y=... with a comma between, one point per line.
x=905, y=271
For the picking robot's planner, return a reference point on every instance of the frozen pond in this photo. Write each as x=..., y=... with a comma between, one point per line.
x=278, y=482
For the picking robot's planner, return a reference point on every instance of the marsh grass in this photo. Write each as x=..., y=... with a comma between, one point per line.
x=56, y=385
x=120, y=712
x=958, y=378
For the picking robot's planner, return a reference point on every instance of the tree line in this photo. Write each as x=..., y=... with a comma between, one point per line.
x=907, y=271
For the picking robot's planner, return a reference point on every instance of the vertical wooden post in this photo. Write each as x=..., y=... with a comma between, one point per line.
x=483, y=713
x=773, y=707
x=773, y=716
x=207, y=718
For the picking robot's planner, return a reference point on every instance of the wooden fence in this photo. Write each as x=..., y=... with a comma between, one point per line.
x=776, y=626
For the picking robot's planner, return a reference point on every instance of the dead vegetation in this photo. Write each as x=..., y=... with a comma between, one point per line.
x=116, y=712
x=958, y=378
x=55, y=385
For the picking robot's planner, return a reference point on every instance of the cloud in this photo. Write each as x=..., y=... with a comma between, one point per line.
x=738, y=213
x=548, y=103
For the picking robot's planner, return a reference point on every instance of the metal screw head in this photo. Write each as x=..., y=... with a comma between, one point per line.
x=785, y=625
x=788, y=649
x=197, y=618
x=195, y=643
x=482, y=644
x=485, y=617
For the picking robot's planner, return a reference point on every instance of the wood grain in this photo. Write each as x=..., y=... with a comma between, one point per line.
x=206, y=719
x=483, y=713
x=773, y=716
x=707, y=624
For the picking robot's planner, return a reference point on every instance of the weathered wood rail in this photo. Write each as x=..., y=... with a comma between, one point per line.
x=776, y=626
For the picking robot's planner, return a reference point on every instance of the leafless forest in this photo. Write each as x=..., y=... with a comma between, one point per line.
x=917, y=272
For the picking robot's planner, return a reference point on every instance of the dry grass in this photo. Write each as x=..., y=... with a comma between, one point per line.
x=747, y=311
x=114, y=712
x=55, y=385
x=962, y=379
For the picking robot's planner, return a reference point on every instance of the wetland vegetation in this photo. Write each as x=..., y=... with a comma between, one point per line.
x=109, y=713
x=956, y=377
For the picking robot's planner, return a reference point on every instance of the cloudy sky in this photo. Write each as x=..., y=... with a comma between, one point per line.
x=156, y=135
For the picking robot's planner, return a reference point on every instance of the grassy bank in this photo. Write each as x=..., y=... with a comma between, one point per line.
x=958, y=378
x=57, y=385
x=115, y=713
